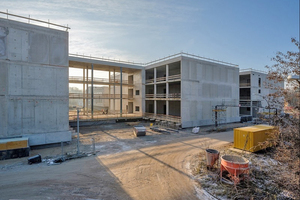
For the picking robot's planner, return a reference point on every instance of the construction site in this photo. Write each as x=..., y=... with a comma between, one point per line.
x=83, y=127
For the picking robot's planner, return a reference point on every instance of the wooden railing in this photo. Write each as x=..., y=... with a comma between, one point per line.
x=150, y=80
x=174, y=77
x=160, y=79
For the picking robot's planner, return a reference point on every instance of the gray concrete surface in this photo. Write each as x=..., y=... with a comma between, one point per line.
x=33, y=83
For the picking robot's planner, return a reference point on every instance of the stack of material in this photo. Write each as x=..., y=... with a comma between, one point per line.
x=139, y=130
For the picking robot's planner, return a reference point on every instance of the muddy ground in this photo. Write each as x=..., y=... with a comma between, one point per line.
x=156, y=166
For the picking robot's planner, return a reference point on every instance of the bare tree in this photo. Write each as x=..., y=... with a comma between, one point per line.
x=287, y=138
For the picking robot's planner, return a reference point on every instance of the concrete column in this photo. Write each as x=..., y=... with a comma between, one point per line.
x=167, y=90
x=154, y=75
x=167, y=107
x=167, y=72
x=121, y=84
x=92, y=91
x=155, y=110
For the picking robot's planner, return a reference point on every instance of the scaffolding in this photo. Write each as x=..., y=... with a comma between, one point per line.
x=219, y=113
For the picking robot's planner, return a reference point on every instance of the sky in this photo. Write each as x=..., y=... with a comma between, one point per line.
x=243, y=32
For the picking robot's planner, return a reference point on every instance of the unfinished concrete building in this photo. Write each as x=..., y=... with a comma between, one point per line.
x=253, y=92
x=186, y=89
x=37, y=70
x=33, y=83
x=104, y=89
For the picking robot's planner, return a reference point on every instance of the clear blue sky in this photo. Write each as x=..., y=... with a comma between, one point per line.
x=243, y=32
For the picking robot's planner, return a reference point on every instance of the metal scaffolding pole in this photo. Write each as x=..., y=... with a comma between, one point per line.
x=114, y=91
x=92, y=92
x=120, y=91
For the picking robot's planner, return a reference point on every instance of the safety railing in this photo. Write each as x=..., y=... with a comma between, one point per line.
x=245, y=84
x=47, y=23
x=175, y=95
x=161, y=95
x=150, y=80
x=99, y=80
x=160, y=79
x=150, y=95
x=172, y=95
x=102, y=115
x=245, y=97
x=174, y=77
x=98, y=96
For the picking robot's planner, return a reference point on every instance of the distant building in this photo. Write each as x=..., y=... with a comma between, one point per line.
x=253, y=92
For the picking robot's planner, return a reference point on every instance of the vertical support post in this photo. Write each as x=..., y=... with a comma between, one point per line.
x=87, y=91
x=62, y=150
x=92, y=92
x=78, y=131
x=94, y=151
x=167, y=90
x=167, y=72
x=167, y=107
x=121, y=85
x=154, y=75
x=83, y=89
x=216, y=116
x=114, y=91
x=109, y=99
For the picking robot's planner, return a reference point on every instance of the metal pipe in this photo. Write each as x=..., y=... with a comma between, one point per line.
x=78, y=131
x=121, y=92
x=92, y=92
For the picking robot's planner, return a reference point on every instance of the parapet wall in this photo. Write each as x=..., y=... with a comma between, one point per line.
x=33, y=83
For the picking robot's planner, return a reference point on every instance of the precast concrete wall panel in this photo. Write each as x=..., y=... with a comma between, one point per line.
x=33, y=83
x=204, y=85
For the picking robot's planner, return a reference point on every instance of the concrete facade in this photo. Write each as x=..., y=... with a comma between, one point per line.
x=192, y=90
x=33, y=83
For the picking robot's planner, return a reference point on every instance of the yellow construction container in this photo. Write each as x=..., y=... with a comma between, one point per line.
x=2, y=145
x=14, y=143
x=248, y=138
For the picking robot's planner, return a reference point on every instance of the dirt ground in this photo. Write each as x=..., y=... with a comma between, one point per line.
x=156, y=166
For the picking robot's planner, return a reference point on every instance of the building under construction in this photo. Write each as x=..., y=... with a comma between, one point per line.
x=42, y=86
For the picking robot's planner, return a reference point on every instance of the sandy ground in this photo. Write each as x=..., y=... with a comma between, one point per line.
x=156, y=166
